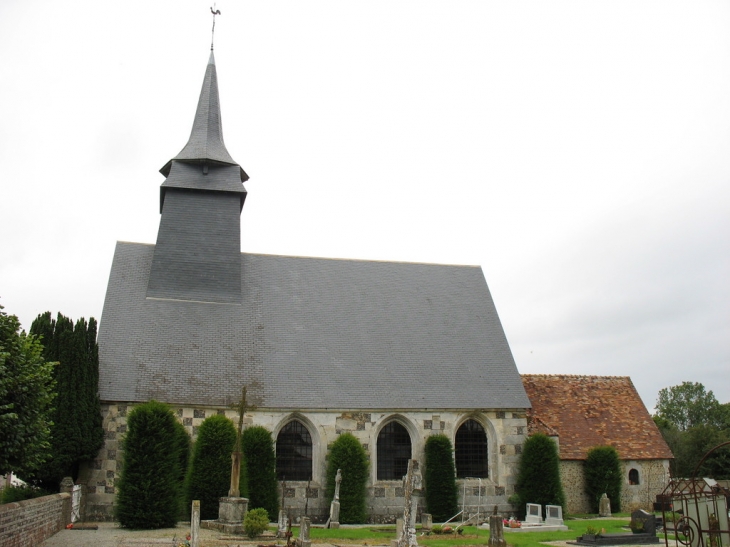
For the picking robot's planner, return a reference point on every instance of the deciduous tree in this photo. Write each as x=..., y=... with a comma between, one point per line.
x=688, y=405
x=26, y=396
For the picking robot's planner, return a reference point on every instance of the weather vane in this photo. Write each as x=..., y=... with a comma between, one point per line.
x=212, y=33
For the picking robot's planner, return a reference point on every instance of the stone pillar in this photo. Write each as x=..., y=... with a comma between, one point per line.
x=303, y=539
x=67, y=487
x=398, y=533
x=195, y=524
x=232, y=510
x=496, y=530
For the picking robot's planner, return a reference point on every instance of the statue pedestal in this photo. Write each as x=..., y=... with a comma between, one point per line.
x=230, y=516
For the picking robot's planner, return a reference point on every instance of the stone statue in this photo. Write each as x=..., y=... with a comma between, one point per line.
x=604, y=506
x=338, y=480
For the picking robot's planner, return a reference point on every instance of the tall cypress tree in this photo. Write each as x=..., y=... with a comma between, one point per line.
x=77, y=433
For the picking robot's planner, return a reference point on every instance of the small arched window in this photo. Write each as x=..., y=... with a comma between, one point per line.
x=394, y=451
x=633, y=477
x=471, y=451
x=294, y=453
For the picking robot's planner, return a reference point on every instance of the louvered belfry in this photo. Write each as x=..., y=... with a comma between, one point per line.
x=198, y=252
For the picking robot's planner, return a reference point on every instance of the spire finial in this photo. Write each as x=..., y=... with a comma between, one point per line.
x=212, y=33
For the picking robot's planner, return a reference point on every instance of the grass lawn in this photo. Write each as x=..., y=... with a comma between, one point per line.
x=471, y=536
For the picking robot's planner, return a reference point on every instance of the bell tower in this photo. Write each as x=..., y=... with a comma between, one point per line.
x=198, y=252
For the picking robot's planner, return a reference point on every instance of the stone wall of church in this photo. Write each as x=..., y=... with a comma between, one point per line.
x=653, y=476
x=506, y=432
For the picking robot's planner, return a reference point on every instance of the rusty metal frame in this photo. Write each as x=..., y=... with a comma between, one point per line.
x=704, y=508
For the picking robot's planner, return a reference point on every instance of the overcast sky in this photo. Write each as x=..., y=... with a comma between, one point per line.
x=579, y=152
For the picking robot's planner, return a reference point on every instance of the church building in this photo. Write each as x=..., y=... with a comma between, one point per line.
x=391, y=352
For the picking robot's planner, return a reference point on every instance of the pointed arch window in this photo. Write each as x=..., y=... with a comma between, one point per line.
x=472, y=454
x=394, y=451
x=294, y=453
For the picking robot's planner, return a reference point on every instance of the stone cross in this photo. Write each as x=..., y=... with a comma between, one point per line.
x=338, y=480
x=334, y=520
x=413, y=482
x=242, y=406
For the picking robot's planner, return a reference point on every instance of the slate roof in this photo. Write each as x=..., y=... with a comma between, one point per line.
x=587, y=411
x=311, y=333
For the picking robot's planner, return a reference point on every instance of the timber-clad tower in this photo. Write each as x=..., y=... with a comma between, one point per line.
x=198, y=251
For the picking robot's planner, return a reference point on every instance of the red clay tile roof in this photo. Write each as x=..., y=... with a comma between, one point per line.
x=588, y=411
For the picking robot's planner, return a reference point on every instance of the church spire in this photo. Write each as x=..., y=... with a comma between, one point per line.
x=206, y=139
x=198, y=252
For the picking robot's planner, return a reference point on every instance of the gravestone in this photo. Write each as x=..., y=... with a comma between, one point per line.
x=282, y=524
x=533, y=513
x=426, y=522
x=604, y=506
x=303, y=539
x=496, y=530
x=554, y=515
x=647, y=520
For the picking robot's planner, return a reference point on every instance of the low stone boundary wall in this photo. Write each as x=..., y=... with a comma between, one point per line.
x=28, y=523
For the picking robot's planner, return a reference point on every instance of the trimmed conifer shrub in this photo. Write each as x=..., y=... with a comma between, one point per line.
x=149, y=487
x=602, y=471
x=260, y=464
x=348, y=455
x=538, y=480
x=209, y=476
x=440, y=478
